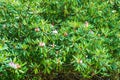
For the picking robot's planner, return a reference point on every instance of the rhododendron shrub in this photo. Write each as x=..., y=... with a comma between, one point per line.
x=59, y=39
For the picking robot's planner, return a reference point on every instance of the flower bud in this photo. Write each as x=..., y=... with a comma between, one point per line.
x=42, y=44
x=55, y=32
x=37, y=29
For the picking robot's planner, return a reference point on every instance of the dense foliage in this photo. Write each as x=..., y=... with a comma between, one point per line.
x=59, y=39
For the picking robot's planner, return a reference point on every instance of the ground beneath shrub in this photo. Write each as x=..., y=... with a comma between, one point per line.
x=71, y=76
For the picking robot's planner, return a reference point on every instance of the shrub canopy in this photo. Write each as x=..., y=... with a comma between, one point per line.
x=50, y=39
